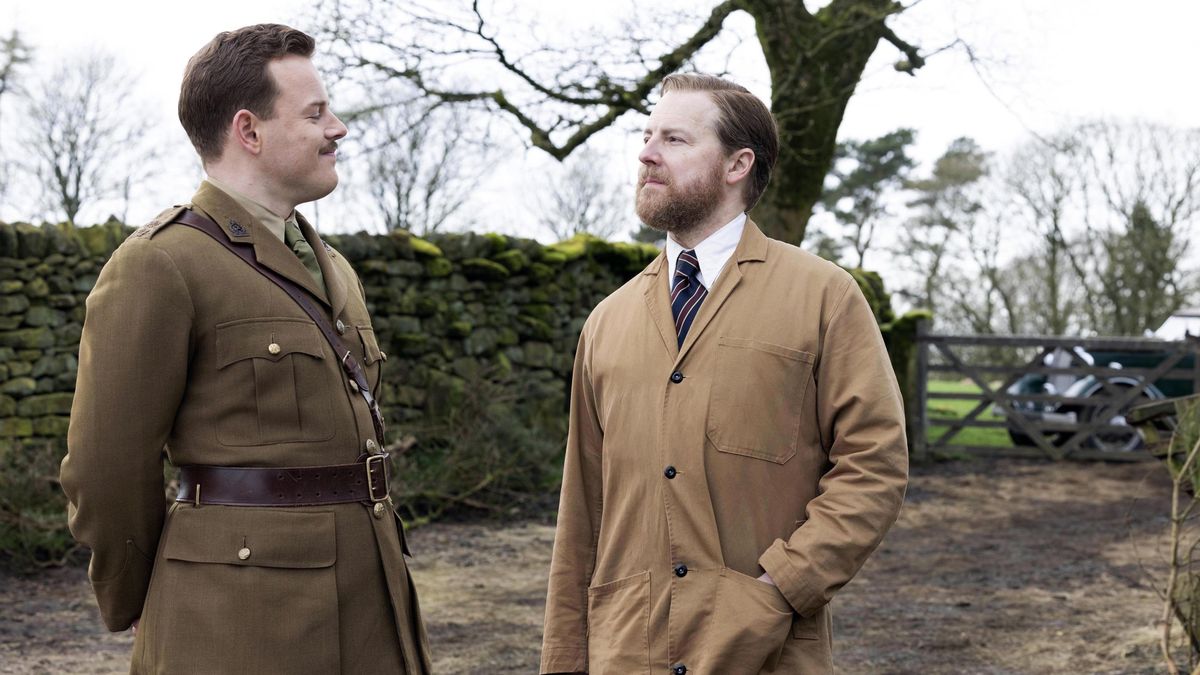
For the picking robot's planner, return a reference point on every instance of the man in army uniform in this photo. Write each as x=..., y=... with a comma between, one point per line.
x=282, y=553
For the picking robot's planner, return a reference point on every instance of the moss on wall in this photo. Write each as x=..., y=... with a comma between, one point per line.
x=464, y=312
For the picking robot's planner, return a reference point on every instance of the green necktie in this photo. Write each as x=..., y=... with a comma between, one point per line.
x=294, y=238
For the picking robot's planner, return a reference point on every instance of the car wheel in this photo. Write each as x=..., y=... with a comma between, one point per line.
x=1116, y=441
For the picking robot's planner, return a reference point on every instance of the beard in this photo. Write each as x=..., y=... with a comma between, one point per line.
x=675, y=208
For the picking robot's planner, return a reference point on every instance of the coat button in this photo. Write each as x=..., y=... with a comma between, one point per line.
x=244, y=553
x=681, y=570
x=341, y=327
x=677, y=377
x=379, y=509
x=372, y=447
x=382, y=355
x=670, y=472
x=353, y=384
x=679, y=669
x=274, y=348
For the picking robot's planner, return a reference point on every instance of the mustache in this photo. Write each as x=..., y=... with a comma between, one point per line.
x=645, y=174
x=330, y=148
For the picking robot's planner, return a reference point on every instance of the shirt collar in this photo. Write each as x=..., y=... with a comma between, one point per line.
x=713, y=252
x=261, y=213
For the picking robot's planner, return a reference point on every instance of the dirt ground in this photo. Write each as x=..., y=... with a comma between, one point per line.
x=995, y=567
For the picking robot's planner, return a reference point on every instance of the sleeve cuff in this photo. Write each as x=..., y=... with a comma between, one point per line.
x=564, y=660
x=795, y=588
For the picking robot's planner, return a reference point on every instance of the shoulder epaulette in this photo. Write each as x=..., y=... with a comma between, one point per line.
x=160, y=221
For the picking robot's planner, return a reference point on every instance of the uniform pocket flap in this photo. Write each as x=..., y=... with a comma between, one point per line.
x=371, y=352
x=254, y=537
x=270, y=339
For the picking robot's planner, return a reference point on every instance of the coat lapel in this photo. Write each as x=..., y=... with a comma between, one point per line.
x=751, y=248
x=242, y=228
x=334, y=284
x=658, y=301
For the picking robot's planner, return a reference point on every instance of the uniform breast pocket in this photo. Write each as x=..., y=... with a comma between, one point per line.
x=757, y=398
x=278, y=390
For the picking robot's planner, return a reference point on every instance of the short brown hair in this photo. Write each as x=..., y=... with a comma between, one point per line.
x=229, y=74
x=744, y=122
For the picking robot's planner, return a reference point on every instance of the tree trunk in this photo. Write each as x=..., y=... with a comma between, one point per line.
x=815, y=62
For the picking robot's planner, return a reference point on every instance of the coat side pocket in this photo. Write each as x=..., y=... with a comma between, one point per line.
x=619, y=626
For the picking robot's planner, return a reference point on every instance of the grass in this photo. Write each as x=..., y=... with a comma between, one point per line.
x=944, y=410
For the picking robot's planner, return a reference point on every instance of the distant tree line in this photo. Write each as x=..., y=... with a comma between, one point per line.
x=80, y=137
x=1088, y=230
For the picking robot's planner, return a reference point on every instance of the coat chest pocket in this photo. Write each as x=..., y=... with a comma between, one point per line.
x=757, y=398
x=278, y=390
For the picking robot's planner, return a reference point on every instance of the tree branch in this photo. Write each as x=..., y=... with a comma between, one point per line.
x=914, y=60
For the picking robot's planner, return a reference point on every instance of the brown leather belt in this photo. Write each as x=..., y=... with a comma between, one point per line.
x=365, y=481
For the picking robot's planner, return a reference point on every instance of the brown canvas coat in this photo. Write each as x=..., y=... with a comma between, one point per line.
x=772, y=440
x=174, y=359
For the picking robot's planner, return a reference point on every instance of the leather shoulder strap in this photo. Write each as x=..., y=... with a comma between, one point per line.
x=300, y=296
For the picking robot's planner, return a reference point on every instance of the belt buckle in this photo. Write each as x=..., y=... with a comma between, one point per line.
x=382, y=459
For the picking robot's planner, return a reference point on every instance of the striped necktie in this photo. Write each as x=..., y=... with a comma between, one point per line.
x=686, y=293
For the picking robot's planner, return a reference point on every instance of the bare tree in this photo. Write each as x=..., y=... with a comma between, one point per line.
x=1144, y=198
x=560, y=94
x=423, y=161
x=15, y=55
x=1043, y=182
x=582, y=199
x=84, y=141
x=980, y=294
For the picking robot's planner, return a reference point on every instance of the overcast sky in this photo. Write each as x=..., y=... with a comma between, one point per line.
x=1045, y=64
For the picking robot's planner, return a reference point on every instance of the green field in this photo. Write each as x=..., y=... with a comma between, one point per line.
x=941, y=410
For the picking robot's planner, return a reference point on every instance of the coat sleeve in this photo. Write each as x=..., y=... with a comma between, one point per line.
x=133, y=364
x=565, y=645
x=861, y=420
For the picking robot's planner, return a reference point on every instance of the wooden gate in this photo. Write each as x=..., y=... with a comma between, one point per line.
x=1087, y=424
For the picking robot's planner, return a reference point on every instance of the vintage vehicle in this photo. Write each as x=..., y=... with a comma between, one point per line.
x=1091, y=390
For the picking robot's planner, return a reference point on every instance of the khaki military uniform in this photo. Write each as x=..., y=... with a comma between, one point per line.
x=187, y=351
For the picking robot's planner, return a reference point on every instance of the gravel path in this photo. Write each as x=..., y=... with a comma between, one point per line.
x=994, y=567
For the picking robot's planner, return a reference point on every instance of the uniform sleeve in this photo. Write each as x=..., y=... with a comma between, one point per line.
x=133, y=364
x=564, y=645
x=861, y=418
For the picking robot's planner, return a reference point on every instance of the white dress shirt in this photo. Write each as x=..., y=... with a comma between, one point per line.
x=712, y=253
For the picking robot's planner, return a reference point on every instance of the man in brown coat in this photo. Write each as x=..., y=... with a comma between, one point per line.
x=282, y=553
x=736, y=447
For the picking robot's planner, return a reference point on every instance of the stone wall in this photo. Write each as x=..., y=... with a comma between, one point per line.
x=457, y=313
x=447, y=306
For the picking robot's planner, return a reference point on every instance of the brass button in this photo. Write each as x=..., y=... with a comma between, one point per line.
x=353, y=384
x=379, y=509
x=383, y=355
x=273, y=348
x=372, y=446
x=244, y=553
x=341, y=327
